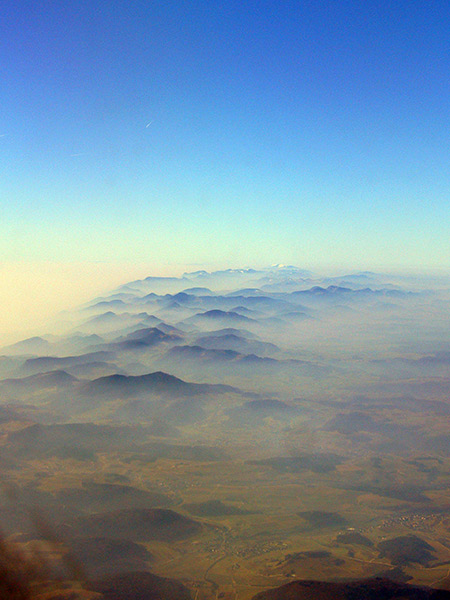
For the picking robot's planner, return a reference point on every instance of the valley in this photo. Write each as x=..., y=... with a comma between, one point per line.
x=233, y=432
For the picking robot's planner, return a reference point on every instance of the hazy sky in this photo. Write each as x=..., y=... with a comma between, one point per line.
x=240, y=132
x=35, y=294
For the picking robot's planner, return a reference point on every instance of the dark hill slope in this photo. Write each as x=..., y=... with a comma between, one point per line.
x=34, y=345
x=52, y=363
x=366, y=589
x=236, y=343
x=406, y=549
x=137, y=525
x=40, y=381
x=140, y=585
x=104, y=556
x=319, y=462
x=158, y=383
x=219, y=362
x=219, y=316
x=353, y=537
x=151, y=335
x=71, y=439
x=142, y=339
x=243, y=333
x=111, y=496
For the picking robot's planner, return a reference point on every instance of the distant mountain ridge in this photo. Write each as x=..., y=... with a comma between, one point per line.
x=156, y=383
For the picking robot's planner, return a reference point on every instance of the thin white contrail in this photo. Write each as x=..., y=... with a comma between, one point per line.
x=148, y=124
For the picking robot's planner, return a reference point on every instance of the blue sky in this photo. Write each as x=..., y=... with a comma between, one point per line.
x=174, y=132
